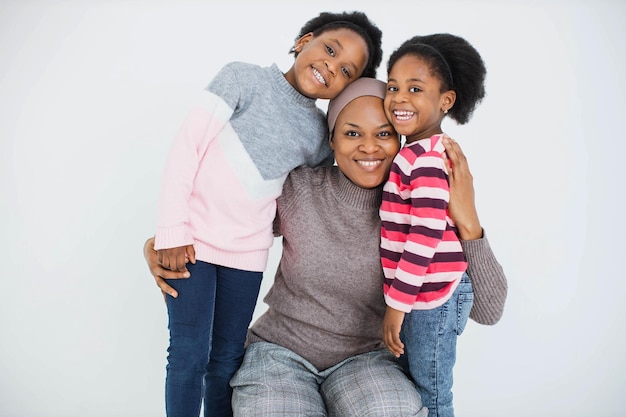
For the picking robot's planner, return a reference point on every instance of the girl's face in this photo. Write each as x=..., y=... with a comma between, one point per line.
x=327, y=63
x=414, y=103
x=364, y=142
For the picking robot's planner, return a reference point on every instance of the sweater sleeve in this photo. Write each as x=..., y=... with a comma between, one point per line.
x=488, y=280
x=297, y=182
x=203, y=123
x=282, y=202
x=325, y=156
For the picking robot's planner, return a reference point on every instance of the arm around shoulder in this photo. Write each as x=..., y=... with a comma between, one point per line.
x=488, y=280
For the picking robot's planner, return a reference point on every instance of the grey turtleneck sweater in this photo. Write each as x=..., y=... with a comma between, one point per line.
x=326, y=303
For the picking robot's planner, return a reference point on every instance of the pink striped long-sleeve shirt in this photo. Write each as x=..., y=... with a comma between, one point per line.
x=421, y=255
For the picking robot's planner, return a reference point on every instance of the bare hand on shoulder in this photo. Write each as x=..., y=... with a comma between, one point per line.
x=462, y=205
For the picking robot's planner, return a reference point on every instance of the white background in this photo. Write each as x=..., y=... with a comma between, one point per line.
x=92, y=93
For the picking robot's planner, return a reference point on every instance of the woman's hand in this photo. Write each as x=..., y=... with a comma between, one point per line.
x=158, y=272
x=462, y=206
x=392, y=323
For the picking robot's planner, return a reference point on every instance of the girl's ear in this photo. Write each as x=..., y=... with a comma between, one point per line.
x=303, y=40
x=448, y=99
x=332, y=142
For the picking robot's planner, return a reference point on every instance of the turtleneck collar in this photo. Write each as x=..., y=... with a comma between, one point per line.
x=283, y=85
x=353, y=195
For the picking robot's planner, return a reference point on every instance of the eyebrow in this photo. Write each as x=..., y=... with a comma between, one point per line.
x=378, y=127
x=412, y=80
x=337, y=42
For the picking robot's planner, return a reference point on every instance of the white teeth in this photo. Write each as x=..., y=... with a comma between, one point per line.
x=370, y=163
x=319, y=76
x=403, y=114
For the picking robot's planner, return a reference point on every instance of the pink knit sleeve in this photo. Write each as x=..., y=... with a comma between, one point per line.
x=198, y=131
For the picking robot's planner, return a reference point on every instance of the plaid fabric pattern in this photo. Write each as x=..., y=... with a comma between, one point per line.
x=273, y=382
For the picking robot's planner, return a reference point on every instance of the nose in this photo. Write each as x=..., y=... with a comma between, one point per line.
x=369, y=144
x=330, y=67
x=399, y=96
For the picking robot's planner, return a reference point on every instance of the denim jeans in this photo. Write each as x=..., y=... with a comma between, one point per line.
x=208, y=323
x=429, y=338
x=273, y=381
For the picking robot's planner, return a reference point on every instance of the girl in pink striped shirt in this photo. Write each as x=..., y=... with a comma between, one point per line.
x=427, y=291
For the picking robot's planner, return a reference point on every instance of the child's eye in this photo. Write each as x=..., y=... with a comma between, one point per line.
x=346, y=72
x=392, y=89
x=330, y=50
x=415, y=89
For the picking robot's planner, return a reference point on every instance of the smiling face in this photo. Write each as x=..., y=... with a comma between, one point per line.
x=327, y=63
x=414, y=102
x=364, y=142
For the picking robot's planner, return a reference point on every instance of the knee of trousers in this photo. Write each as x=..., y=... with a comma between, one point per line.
x=188, y=354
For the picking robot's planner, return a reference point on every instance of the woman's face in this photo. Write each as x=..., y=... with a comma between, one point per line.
x=364, y=142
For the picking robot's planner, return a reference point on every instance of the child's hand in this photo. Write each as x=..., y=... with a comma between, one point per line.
x=175, y=259
x=392, y=323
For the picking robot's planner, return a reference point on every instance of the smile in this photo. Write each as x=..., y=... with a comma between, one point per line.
x=403, y=115
x=369, y=163
x=319, y=76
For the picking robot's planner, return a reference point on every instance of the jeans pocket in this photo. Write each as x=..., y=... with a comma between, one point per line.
x=464, y=306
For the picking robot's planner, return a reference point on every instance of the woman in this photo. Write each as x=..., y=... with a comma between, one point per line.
x=318, y=351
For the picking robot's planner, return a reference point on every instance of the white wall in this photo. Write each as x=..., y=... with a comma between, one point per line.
x=91, y=94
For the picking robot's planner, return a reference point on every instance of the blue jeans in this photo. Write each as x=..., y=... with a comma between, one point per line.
x=208, y=323
x=273, y=381
x=429, y=338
